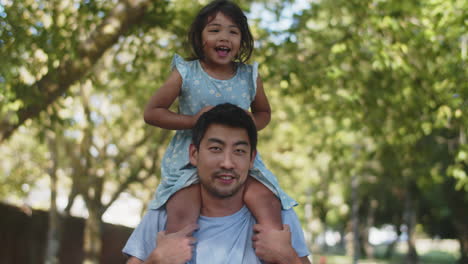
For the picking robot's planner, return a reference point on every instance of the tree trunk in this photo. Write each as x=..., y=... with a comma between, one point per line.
x=456, y=200
x=463, y=240
x=460, y=223
x=93, y=235
x=397, y=221
x=368, y=248
x=355, y=218
x=410, y=221
x=54, y=229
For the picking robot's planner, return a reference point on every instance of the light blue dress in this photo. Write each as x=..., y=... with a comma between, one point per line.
x=199, y=90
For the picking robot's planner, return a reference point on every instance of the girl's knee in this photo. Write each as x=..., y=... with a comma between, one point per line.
x=257, y=190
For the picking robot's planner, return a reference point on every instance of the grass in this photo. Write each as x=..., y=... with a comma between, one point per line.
x=430, y=256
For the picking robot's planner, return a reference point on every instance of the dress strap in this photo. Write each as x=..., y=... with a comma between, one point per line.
x=180, y=64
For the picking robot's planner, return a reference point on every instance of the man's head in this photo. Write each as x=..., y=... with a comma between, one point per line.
x=223, y=150
x=229, y=115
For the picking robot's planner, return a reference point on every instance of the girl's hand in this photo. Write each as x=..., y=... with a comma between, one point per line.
x=197, y=115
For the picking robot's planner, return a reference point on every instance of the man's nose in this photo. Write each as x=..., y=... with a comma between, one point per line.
x=227, y=162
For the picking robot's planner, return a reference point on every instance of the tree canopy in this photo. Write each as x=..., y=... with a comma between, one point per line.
x=364, y=90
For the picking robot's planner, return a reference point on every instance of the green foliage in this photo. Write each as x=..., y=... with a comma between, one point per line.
x=22, y=166
x=372, y=89
x=373, y=80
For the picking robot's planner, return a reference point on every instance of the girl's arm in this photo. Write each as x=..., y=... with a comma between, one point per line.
x=260, y=107
x=157, y=111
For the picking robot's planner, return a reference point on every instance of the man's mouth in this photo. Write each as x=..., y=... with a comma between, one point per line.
x=226, y=178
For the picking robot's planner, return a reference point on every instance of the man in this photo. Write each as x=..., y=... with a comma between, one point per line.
x=223, y=150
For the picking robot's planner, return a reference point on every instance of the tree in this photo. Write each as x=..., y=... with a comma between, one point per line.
x=356, y=87
x=58, y=69
x=55, y=53
x=367, y=62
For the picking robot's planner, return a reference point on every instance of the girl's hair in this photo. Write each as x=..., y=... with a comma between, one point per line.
x=207, y=13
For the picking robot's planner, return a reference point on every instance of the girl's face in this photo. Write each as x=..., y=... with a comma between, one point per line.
x=221, y=40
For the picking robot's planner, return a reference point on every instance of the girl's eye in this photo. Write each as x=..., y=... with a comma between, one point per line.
x=213, y=30
x=234, y=32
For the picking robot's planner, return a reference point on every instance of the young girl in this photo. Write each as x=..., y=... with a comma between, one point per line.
x=221, y=43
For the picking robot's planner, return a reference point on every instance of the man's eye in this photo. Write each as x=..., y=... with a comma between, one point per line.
x=240, y=151
x=215, y=149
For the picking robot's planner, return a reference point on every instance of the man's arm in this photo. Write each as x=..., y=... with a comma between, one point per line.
x=275, y=246
x=171, y=248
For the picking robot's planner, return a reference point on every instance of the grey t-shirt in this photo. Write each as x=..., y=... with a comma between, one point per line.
x=226, y=240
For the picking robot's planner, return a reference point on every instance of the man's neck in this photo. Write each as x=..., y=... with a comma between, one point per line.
x=219, y=207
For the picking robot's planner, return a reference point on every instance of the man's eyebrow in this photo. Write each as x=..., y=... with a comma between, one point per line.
x=219, y=141
x=242, y=142
x=216, y=140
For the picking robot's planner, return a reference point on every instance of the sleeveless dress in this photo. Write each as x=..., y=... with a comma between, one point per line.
x=199, y=90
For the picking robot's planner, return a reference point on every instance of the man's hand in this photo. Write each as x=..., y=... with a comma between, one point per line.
x=274, y=246
x=173, y=248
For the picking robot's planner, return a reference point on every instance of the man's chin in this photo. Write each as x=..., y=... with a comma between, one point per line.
x=224, y=193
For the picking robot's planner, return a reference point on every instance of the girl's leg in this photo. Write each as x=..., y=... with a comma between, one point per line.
x=263, y=204
x=183, y=208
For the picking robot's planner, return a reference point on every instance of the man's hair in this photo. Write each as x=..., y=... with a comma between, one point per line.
x=208, y=13
x=228, y=115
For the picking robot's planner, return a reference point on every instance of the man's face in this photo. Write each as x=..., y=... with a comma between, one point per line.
x=223, y=160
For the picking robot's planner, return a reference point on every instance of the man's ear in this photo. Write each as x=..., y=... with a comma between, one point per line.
x=252, y=158
x=193, y=154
